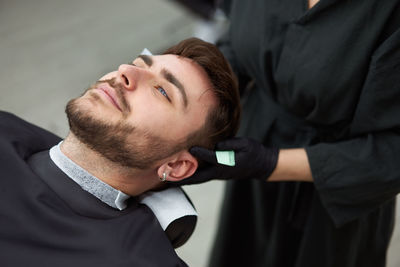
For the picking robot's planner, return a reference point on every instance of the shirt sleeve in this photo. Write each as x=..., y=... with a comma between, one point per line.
x=355, y=176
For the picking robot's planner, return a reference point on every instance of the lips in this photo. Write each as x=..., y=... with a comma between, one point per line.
x=110, y=94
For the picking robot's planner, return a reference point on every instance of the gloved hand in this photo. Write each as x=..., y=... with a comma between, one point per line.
x=252, y=159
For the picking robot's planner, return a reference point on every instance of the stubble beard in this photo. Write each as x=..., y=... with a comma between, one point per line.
x=119, y=142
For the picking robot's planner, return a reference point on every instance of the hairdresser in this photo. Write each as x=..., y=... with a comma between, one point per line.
x=315, y=180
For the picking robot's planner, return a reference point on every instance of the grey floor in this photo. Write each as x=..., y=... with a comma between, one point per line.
x=51, y=50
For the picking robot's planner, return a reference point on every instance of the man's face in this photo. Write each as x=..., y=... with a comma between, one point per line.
x=143, y=112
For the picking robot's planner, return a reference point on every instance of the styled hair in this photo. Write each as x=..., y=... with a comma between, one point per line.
x=223, y=119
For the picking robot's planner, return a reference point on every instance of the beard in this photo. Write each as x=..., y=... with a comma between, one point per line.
x=119, y=142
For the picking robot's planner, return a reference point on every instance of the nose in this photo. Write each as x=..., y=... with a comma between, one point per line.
x=130, y=76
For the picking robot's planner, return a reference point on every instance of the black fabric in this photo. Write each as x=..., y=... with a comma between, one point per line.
x=327, y=79
x=178, y=231
x=202, y=8
x=46, y=219
x=181, y=229
x=252, y=161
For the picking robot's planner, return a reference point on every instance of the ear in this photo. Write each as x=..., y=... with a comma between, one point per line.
x=180, y=166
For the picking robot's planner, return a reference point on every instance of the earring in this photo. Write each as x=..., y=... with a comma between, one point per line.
x=164, y=177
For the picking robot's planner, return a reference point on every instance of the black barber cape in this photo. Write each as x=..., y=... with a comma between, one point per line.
x=326, y=79
x=46, y=219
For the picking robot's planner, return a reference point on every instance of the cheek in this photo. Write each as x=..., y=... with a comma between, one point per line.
x=109, y=76
x=149, y=113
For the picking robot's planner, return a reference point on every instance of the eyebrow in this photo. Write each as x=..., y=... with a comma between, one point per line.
x=147, y=59
x=169, y=77
x=172, y=79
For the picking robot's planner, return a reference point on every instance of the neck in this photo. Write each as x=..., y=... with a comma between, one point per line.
x=131, y=181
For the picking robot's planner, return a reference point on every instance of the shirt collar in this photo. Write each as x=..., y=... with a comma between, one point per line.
x=87, y=181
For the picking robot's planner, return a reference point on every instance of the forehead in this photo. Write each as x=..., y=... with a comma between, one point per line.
x=192, y=76
x=183, y=68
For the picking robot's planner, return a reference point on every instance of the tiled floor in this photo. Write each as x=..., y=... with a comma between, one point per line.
x=51, y=50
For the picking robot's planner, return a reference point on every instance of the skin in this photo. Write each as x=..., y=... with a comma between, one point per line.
x=155, y=105
x=312, y=3
x=292, y=165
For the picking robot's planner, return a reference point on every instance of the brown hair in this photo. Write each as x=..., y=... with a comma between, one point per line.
x=222, y=121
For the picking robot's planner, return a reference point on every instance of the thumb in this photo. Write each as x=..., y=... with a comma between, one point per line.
x=203, y=154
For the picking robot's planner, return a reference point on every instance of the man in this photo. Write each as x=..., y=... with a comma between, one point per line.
x=77, y=204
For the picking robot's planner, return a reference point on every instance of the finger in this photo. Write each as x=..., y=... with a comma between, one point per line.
x=203, y=154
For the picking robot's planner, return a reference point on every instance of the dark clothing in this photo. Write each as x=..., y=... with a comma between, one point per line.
x=326, y=79
x=46, y=219
x=202, y=8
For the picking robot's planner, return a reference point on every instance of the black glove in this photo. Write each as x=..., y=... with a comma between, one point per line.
x=252, y=159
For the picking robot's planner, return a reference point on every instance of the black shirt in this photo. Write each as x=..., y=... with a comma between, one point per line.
x=326, y=79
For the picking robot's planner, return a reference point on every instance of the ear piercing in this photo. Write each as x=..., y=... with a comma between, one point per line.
x=164, y=177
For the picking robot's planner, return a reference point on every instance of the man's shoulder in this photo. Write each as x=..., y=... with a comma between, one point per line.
x=10, y=122
x=16, y=131
x=6, y=117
